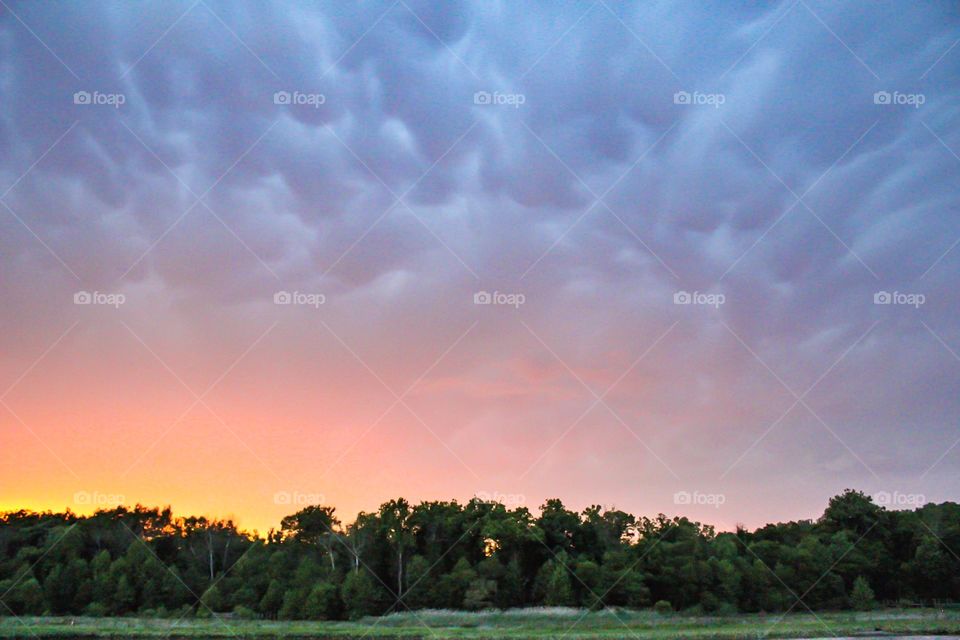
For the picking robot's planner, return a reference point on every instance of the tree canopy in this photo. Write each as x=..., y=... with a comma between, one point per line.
x=477, y=555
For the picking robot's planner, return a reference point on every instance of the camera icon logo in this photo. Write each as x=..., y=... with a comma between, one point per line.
x=81, y=497
x=883, y=498
x=682, y=497
x=882, y=297
x=482, y=97
x=281, y=97
x=682, y=297
x=482, y=297
x=82, y=297
x=881, y=97
x=81, y=97
x=282, y=297
x=681, y=97
x=282, y=497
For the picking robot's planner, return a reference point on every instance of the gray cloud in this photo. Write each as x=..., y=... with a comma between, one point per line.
x=304, y=206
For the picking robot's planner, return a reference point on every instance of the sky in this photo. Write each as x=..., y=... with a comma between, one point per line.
x=681, y=257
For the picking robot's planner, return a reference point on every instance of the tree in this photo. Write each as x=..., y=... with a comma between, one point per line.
x=419, y=594
x=588, y=584
x=851, y=511
x=129, y=561
x=394, y=519
x=57, y=591
x=361, y=596
x=125, y=598
x=212, y=600
x=322, y=603
x=481, y=594
x=861, y=597
x=210, y=543
x=554, y=579
x=27, y=597
x=272, y=600
x=102, y=583
x=930, y=570
x=360, y=533
x=314, y=525
x=454, y=585
x=293, y=601
x=510, y=587
x=559, y=526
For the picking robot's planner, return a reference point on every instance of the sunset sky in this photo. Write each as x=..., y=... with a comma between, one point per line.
x=186, y=164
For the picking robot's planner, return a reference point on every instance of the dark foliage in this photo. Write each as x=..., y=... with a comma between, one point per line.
x=471, y=556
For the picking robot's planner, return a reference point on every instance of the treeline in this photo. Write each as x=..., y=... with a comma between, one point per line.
x=471, y=556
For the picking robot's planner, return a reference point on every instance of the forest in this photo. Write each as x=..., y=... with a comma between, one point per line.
x=473, y=556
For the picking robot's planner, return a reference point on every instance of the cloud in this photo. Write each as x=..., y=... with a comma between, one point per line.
x=390, y=189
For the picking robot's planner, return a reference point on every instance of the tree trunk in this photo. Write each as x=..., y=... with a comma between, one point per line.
x=210, y=553
x=226, y=549
x=400, y=571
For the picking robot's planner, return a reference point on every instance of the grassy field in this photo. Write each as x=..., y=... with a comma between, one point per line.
x=516, y=624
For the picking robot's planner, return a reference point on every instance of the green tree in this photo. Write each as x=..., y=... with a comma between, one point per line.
x=861, y=596
x=481, y=594
x=125, y=597
x=621, y=579
x=139, y=560
x=314, y=525
x=558, y=590
x=395, y=523
x=930, y=570
x=103, y=586
x=454, y=585
x=212, y=600
x=419, y=593
x=322, y=603
x=588, y=584
x=27, y=597
x=361, y=597
x=559, y=525
x=293, y=601
x=272, y=600
x=851, y=511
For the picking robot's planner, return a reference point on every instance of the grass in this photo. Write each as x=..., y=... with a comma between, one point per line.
x=518, y=624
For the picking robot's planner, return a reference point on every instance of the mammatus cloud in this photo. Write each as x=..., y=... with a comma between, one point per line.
x=398, y=158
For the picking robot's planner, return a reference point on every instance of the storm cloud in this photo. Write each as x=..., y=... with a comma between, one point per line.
x=787, y=165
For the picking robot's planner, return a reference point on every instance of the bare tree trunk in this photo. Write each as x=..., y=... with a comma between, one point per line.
x=400, y=571
x=226, y=549
x=210, y=553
